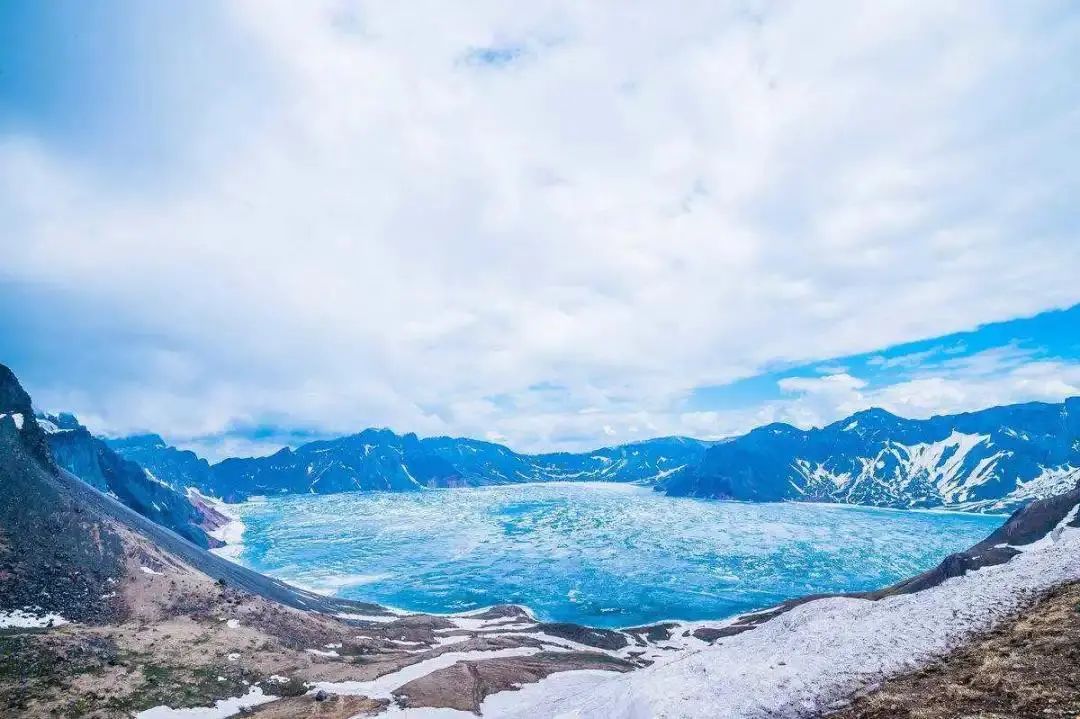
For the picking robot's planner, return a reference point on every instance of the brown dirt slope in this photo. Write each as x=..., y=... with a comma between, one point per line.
x=1028, y=667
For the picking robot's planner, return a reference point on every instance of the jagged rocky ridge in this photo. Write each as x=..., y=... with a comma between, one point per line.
x=53, y=555
x=379, y=459
x=91, y=460
x=179, y=467
x=994, y=460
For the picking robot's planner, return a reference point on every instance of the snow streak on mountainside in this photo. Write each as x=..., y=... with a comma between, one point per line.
x=993, y=460
x=379, y=459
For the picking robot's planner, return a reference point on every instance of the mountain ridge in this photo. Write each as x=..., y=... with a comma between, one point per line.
x=993, y=459
x=380, y=459
x=126, y=615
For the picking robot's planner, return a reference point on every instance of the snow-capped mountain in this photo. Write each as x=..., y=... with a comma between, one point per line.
x=993, y=460
x=379, y=459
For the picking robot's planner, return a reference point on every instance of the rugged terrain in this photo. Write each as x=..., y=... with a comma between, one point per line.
x=105, y=613
x=91, y=460
x=996, y=460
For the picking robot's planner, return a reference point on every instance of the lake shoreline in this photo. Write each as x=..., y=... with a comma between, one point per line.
x=729, y=594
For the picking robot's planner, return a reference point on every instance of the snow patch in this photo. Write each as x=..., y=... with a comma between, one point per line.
x=321, y=653
x=221, y=709
x=30, y=618
x=367, y=617
x=382, y=687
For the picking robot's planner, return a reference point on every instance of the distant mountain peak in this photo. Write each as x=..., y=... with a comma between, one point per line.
x=13, y=398
x=148, y=440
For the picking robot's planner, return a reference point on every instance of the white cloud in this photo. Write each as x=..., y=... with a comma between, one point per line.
x=993, y=377
x=638, y=203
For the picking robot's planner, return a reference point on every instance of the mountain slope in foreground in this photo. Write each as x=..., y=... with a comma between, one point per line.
x=994, y=460
x=104, y=613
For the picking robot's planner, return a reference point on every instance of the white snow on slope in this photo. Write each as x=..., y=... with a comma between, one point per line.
x=153, y=478
x=1051, y=481
x=29, y=618
x=817, y=654
x=231, y=533
x=16, y=417
x=49, y=427
x=382, y=687
x=221, y=709
x=940, y=465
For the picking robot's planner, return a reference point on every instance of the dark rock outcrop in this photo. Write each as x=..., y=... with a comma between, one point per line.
x=599, y=638
x=55, y=556
x=1030, y=524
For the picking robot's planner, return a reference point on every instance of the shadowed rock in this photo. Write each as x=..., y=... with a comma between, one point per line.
x=599, y=638
x=503, y=611
x=651, y=633
x=711, y=634
x=332, y=706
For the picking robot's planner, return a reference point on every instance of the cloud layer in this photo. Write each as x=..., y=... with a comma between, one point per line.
x=546, y=224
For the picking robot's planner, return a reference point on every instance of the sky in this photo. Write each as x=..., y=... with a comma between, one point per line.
x=557, y=225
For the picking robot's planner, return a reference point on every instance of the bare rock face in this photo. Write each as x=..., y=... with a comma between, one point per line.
x=54, y=555
x=93, y=461
x=711, y=634
x=331, y=706
x=652, y=633
x=465, y=685
x=599, y=638
x=503, y=611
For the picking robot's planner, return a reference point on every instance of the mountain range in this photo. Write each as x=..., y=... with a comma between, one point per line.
x=994, y=460
x=106, y=612
x=379, y=459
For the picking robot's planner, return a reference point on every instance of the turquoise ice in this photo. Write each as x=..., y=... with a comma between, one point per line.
x=598, y=554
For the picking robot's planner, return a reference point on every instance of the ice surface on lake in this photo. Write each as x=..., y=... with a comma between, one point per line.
x=598, y=554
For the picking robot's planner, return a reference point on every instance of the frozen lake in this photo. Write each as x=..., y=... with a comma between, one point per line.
x=598, y=554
